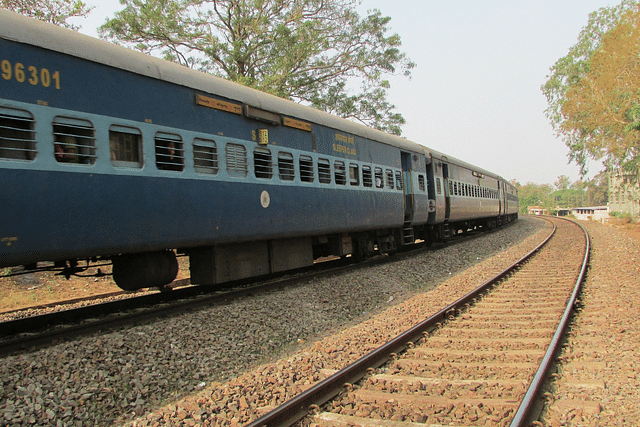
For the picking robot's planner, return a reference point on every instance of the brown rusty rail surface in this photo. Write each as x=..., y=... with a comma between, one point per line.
x=481, y=365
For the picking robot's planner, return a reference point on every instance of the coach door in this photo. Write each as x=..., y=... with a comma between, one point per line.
x=447, y=194
x=499, y=202
x=408, y=197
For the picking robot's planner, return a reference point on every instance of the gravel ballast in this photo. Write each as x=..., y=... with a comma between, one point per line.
x=598, y=381
x=207, y=354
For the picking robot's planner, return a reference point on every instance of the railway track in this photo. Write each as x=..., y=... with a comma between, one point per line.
x=480, y=361
x=40, y=330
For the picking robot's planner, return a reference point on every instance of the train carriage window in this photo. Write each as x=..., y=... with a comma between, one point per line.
x=340, y=172
x=236, y=158
x=421, y=183
x=74, y=141
x=367, y=179
x=389, y=173
x=169, y=152
x=438, y=186
x=451, y=192
x=354, y=176
x=262, y=163
x=306, y=169
x=17, y=136
x=379, y=178
x=205, y=156
x=285, y=166
x=125, y=145
x=324, y=171
x=399, y=180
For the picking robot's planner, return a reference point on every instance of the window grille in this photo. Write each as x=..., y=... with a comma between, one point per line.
x=324, y=171
x=169, y=152
x=74, y=141
x=340, y=173
x=17, y=136
x=126, y=146
x=399, y=185
x=236, y=158
x=205, y=156
x=285, y=166
x=354, y=177
x=306, y=169
x=367, y=180
x=379, y=178
x=262, y=163
x=421, y=183
x=389, y=178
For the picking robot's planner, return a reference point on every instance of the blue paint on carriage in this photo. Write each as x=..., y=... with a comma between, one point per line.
x=66, y=215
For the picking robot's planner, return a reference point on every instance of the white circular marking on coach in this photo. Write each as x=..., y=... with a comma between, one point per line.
x=265, y=199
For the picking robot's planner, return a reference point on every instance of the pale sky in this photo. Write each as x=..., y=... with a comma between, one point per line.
x=475, y=92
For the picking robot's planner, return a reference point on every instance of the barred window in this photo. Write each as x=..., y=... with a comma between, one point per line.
x=285, y=166
x=236, y=157
x=324, y=171
x=389, y=178
x=379, y=178
x=421, y=183
x=205, y=156
x=126, y=146
x=399, y=185
x=340, y=173
x=306, y=169
x=262, y=163
x=17, y=136
x=367, y=179
x=74, y=141
x=354, y=177
x=169, y=152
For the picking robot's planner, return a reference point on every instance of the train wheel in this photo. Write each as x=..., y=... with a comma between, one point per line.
x=145, y=270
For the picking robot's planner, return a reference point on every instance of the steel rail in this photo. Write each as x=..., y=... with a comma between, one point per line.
x=40, y=327
x=298, y=407
x=525, y=411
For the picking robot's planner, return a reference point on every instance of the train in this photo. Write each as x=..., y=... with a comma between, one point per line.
x=108, y=154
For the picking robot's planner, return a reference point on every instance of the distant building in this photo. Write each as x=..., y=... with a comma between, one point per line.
x=596, y=213
x=624, y=193
x=537, y=210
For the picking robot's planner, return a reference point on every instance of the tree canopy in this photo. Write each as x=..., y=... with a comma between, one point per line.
x=594, y=91
x=56, y=12
x=310, y=51
x=564, y=194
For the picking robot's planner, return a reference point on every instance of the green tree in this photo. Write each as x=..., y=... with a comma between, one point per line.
x=597, y=191
x=592, y=92
x=532, y=194
x=309, y=51
x=56, y=12
x=562, y=183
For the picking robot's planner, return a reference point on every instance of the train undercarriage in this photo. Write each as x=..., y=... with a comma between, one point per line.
x=212, y=265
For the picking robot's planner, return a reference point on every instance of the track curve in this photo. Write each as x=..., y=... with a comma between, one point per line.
x=472, y=369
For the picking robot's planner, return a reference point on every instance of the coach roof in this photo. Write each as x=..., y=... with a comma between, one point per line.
x=30, y=31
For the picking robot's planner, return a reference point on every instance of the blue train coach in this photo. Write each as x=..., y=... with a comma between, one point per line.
x=106, y=153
